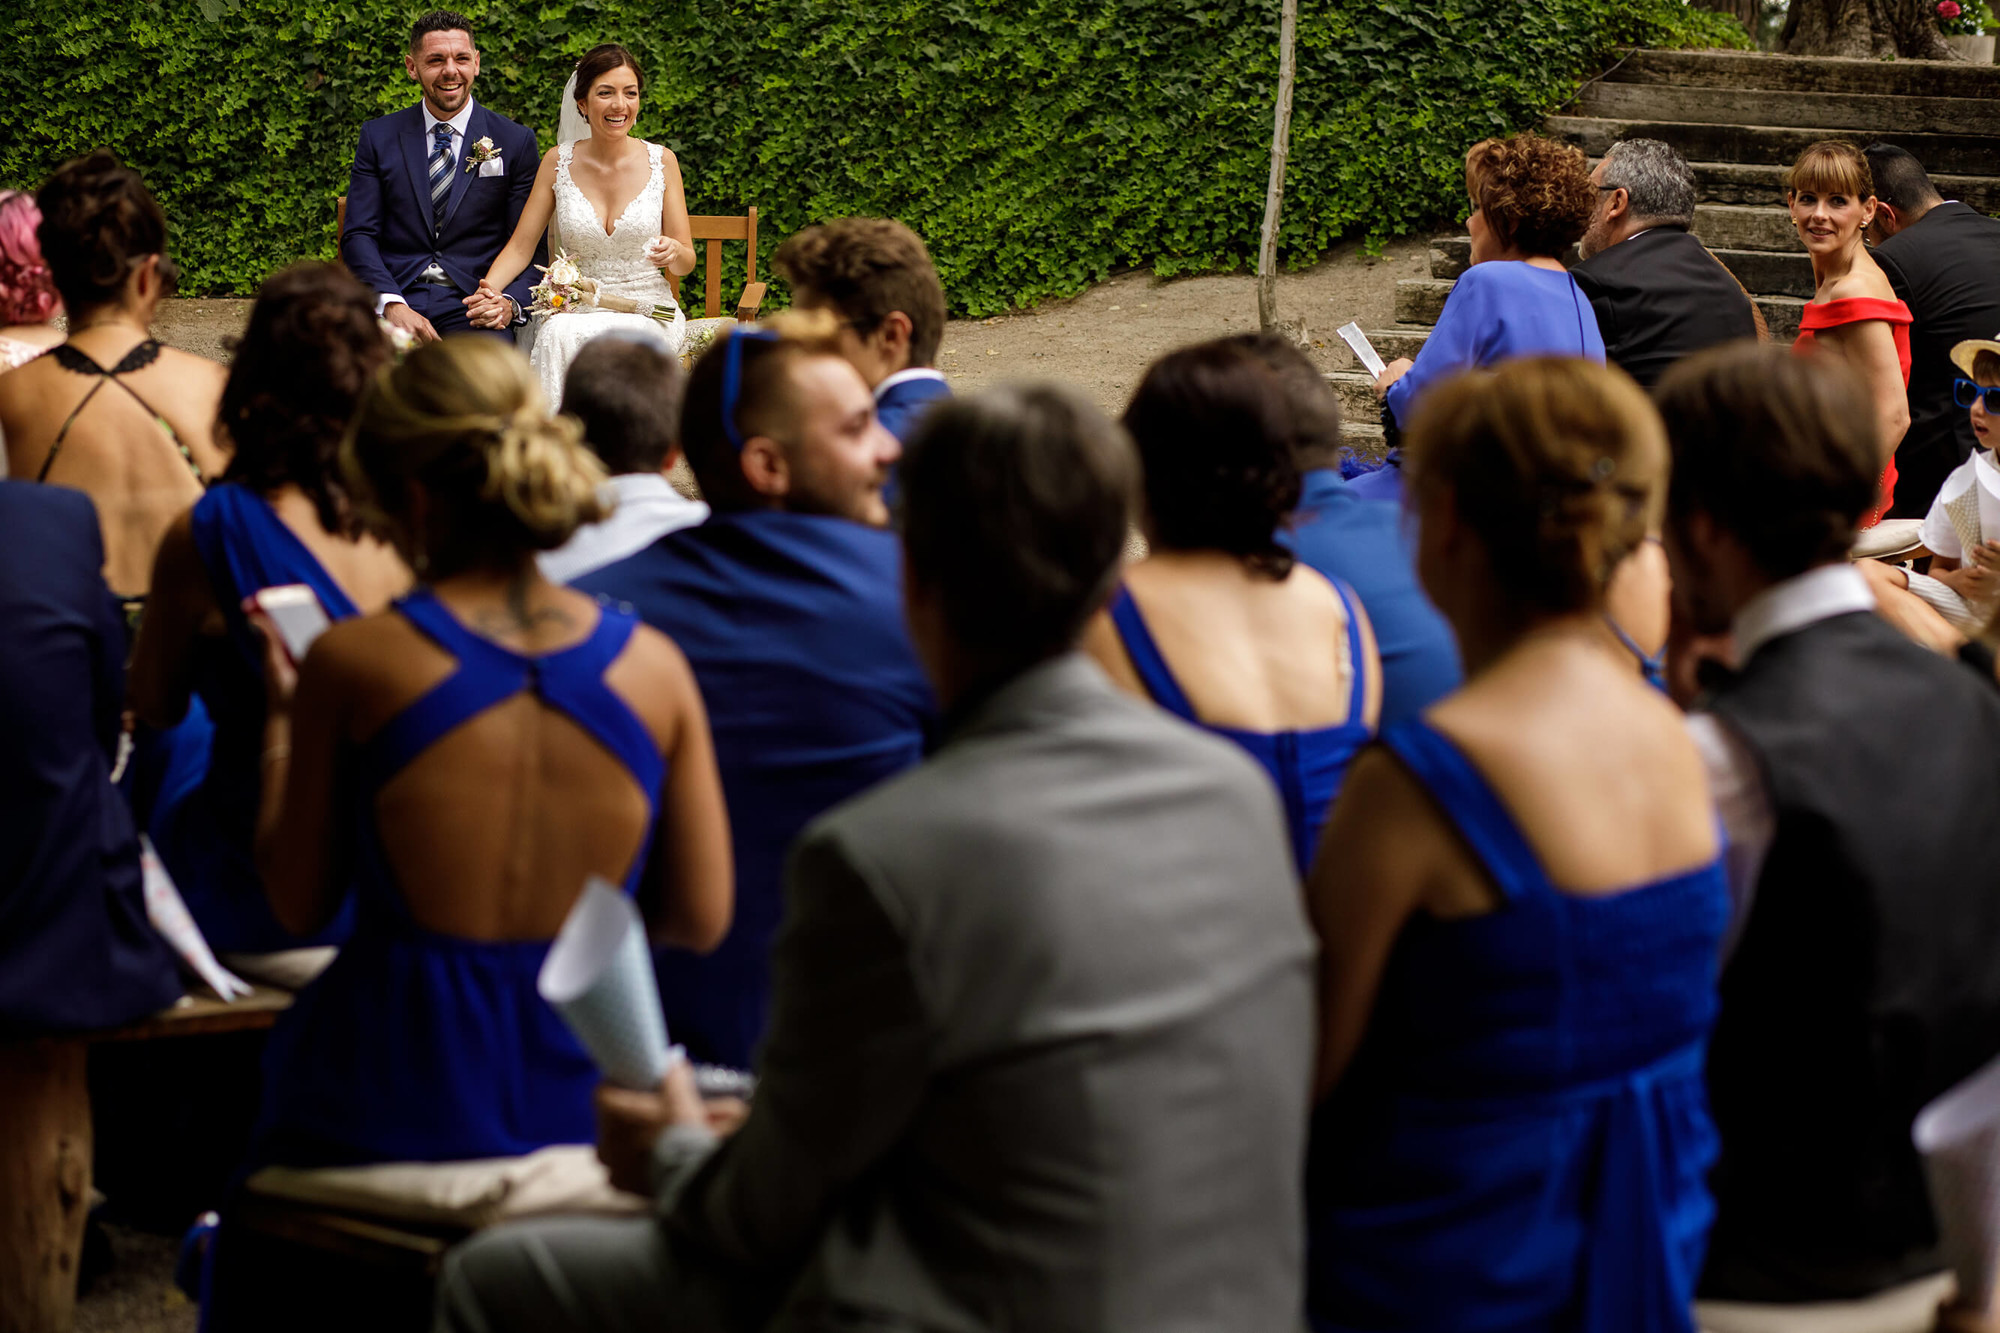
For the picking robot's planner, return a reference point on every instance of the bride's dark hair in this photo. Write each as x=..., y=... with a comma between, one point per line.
x=599, y=61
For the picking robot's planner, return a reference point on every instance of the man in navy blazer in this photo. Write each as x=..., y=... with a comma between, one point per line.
x=436, y=191
x=876, y=275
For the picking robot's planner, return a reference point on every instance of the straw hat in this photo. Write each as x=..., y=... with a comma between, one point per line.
x=1963, y=354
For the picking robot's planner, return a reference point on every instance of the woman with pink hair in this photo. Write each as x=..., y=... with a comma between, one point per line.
x=28, y=300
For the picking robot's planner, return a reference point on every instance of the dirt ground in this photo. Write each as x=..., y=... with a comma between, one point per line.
x=1101, y=341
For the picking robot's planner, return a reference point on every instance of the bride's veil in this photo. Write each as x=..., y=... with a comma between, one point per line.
x=570, y=126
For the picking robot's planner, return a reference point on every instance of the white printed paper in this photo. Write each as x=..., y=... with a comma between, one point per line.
x=170, y=916
x=1364, y=351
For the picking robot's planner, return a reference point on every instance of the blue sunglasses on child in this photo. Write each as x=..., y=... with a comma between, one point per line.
x=1965, y=392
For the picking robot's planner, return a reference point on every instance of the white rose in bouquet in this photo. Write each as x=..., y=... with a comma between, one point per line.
x=563, y=272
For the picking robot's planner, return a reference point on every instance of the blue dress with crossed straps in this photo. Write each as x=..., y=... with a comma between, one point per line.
x=206, y=821
x=1523, y=1140
x=420, y=1046
x=1307, y=766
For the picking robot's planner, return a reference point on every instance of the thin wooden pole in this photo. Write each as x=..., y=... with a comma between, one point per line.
x=1281, y=141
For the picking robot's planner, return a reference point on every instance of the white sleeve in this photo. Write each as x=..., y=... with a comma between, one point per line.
x=1743, y=804
x=1938, y=535
x=383, y=300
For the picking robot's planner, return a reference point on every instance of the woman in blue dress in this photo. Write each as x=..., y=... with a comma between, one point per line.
x=466, y=760
x=1531, y=202
x=1219, y=624
x=1520, y=908
x=279, y=517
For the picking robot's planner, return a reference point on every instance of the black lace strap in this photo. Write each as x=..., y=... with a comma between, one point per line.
x=145, y=354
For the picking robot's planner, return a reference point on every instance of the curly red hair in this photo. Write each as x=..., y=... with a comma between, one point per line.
x=27, y=289
x=1535, y=193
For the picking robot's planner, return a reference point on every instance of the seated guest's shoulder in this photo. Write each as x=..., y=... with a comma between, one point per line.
x=48, y=508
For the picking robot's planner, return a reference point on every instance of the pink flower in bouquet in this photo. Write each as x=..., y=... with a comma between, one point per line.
x=1949, y=9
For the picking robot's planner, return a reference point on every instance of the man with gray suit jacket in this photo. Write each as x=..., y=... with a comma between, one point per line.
x=1041, y=1040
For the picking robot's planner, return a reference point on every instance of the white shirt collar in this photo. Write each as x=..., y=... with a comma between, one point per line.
x=904, y=377
x=1802, y=600
x=457, y=122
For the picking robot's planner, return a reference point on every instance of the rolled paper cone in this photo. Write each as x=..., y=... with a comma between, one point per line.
x=599, y=977
x=1959, y=1137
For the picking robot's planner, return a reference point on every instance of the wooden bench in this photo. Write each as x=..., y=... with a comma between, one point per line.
x=709, y=231
x=46, y=1141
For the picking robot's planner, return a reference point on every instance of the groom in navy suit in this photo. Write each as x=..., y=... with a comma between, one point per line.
x=436, y=190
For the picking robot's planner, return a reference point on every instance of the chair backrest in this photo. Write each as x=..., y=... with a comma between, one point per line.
x=339, y=219
x=714, y=231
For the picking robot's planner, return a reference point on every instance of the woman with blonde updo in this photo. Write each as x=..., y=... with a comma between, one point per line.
x=462, y=763
x=1520, y=904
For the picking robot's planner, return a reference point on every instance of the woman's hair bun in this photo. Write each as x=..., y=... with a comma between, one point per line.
x=465, y=418
x=1558, y=465
x=539, y=468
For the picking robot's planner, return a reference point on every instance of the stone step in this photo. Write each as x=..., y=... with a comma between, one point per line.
x=1971, y=154
x=1808, y=74
x=1358, y=404
x=1388, y=343
x=1764, y=183
x=1419, y=301
x=1816, y=110
x=1769, y=273
x=1744, y=227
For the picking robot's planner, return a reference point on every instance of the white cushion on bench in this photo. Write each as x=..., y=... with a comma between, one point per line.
x=567, y=1178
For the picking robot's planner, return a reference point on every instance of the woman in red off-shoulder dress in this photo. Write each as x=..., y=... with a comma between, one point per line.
x=1854, y=313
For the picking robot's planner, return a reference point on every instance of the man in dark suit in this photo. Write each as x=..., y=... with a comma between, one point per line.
x=1865, y=973
x=436, y=190
x=1943, y=259
x=1658, y=293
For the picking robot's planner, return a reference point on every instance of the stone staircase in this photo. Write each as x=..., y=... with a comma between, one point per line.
x=1740, y=118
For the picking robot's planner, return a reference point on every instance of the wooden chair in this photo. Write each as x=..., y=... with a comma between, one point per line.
x=45, y=1149
x=710, y=232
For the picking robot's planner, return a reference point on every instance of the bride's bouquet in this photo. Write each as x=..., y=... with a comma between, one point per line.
x=564, y=289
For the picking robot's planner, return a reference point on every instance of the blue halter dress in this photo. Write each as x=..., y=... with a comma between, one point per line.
x=419, y=1046
x=1524, y=1139
x=206, y=820
x=1307, y=766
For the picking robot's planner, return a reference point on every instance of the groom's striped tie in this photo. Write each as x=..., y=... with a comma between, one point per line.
x=440, y=173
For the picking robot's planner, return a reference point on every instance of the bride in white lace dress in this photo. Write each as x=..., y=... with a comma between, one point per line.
x=615, y=203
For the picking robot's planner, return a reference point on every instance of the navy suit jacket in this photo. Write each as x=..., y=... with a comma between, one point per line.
x=389, y=239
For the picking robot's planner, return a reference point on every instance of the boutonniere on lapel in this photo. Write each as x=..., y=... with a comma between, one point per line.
x=481, y=152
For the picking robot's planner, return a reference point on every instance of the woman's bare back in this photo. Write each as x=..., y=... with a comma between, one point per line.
x=116, y=450
x=491, y=830
x=1249, y=652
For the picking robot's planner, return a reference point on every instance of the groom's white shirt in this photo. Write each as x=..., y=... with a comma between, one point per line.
x=458, y=123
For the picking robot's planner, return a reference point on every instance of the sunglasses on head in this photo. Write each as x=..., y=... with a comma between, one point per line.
x=732, y=378
x=1966, y=392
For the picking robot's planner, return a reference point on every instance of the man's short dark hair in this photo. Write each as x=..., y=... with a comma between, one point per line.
x=628, y=397
x=1900, y=180
x=1780, y=451
x=1016, y=505
x=866, y=268
x=439, y=20
x=764, y=403
x=1315, y=406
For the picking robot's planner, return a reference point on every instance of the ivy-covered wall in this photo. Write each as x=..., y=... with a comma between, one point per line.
x=1036, y=144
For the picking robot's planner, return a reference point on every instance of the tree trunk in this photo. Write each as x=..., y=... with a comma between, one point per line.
x=1866, y=29
x=1281, y=142
x=1743, y=11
